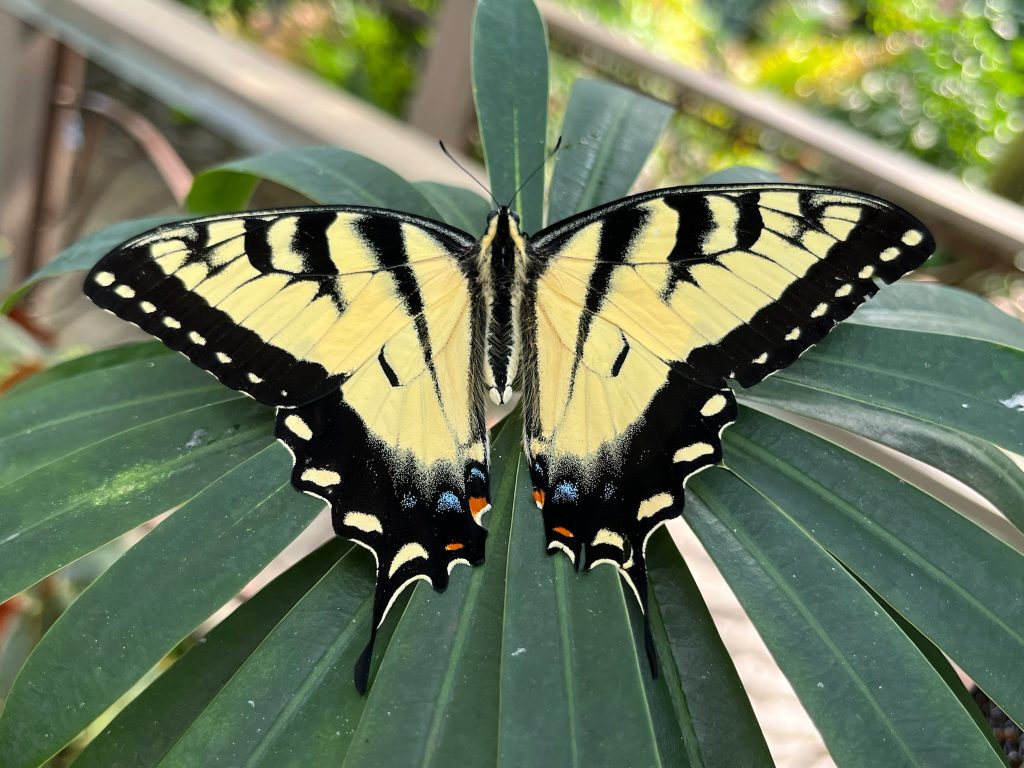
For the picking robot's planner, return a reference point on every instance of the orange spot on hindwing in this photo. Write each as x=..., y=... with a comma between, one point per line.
x=454, y=546
x=477, y=504
x=538, y=496
x=563, y=532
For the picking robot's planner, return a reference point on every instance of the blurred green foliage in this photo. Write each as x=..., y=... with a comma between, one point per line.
x=941, y=80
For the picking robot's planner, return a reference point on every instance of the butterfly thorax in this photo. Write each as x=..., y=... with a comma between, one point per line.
x=502, y=267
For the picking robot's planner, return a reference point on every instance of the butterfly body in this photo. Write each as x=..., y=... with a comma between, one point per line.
x=379, y=336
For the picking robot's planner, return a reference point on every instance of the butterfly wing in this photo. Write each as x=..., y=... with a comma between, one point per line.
x=360, y=325
x=636, y=314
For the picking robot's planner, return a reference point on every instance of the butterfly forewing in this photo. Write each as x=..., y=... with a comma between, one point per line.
x=638, y=312
x=362, y=326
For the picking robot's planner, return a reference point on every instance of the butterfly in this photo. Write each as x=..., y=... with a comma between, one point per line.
x=379, y=336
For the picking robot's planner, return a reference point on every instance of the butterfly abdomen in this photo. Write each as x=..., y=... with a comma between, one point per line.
x=502, y=261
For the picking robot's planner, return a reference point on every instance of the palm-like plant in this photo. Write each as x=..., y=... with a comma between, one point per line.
x=858, y=581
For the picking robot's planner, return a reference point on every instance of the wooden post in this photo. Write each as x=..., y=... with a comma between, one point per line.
x=443, y=104
x=40, y=82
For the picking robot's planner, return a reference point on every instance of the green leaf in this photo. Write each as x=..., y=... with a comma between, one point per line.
x=847, y=660
x=960, y=586
x=939, y=309
x=510, y=88
x=225, y=535
x=150, y=725
x=974, y=462
x=76, y=366
x=940, y=663
x=51, y=423
x=567, y=642
x=83, y=254
x=963, y=384
x=105, y=469
x=607, y=135
x=701, y=686
x=326, y=175
x=458, y=207
x=292, y=702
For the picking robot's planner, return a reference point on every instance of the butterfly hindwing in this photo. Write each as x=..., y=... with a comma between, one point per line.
x=361, y=326
x=638, y=312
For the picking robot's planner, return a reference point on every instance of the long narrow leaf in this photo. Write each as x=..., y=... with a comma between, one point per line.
x=964, y=384
x=568, y=643
x=143, y=732
x=607, y=135
x=931, y=308
x=458, y=207
x=701, y=683
x=292, y=702
x=932, y=565
x=510, y=88
x=107, y=488
x=974, y=462
x=193, y=563
x=846, y=659
x=326, y=175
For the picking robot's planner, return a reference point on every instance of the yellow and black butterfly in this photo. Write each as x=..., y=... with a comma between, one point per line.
x=378, y=335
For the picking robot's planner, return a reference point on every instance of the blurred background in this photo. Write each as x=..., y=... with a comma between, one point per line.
x=107, y=110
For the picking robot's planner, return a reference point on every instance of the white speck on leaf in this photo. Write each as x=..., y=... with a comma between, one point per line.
x=252, y=703
x=1015, y=402
x=518, y=651
x=821, y=685
x=196, y=439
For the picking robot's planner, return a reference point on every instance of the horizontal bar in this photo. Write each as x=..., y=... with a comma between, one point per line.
x=940, y=199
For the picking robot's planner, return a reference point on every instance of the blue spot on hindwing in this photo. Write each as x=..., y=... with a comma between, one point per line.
x=448, y=502
x=565, y=492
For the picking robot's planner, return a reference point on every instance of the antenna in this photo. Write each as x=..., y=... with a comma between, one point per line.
x=536, y=170
x=462, y=168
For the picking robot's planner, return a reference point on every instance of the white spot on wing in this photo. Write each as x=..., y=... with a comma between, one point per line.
x=297, y=426
x=605, y=536
x=691, y=452
x=147, y=307
x=363, y=521
x=321, y=477
x=654, y=505
x=195, y=338
x=407, y=553
x=125, y=291
x=912, y=236
x=889, y=254
x=170, y=322
x=221, y=357
x=104, y=278
x=714, y=405
x=844, y=290
x=559, y=545
x=820, y=310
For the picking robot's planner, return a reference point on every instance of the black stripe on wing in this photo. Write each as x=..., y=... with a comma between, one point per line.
x=166, y=282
